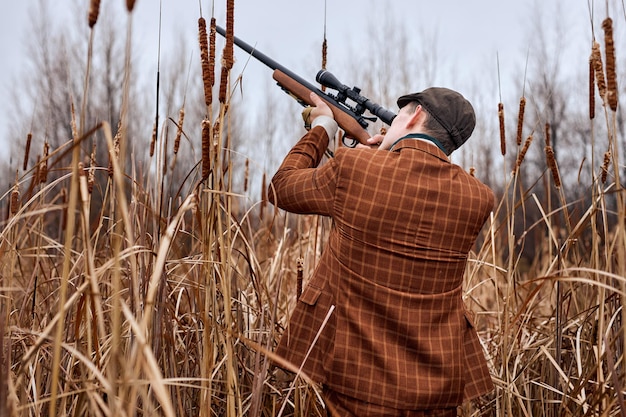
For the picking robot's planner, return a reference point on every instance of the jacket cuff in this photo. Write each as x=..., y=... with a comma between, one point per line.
x=328, y=123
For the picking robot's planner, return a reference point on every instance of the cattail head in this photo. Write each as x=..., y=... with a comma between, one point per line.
x=15, y=200
x=43, y=165
x=520, y=120
x=91, y=180
x=153, y=140
x=522, y=154
x=592, y=89
x=29, y=139
x=300, y=277
x=605, y=166
x=502, y=135
x=229, y=47
x=548, y=131
x=611, y=77
x=179, y=129
x=94, y=8
x=553, y=166
x=115, y=152
x=246, y=175
x=130, y=4
x=472, y=171
x=263, y=195
x=206, y=148
x=599, y=70
x=208, y=76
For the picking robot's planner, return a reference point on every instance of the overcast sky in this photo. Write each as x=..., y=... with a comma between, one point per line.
x=470, y=33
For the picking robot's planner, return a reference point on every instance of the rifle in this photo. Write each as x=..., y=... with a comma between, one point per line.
x=349, y=117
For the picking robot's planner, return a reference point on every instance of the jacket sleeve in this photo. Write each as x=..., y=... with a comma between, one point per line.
x=299, y=186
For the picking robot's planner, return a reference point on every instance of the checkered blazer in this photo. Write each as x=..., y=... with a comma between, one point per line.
x=403, y=223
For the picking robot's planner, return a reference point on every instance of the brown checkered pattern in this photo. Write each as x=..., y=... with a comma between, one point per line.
x=403, y=224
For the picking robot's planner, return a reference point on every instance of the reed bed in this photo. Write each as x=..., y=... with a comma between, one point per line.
x=148, y=303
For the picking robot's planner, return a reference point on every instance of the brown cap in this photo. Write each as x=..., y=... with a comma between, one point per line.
x=453, y=112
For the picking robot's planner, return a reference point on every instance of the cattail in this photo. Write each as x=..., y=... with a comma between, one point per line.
x=592, y=86
x=472, y=171
x=207, y=71
x=522, y=154
x=15, y=200
x=91, y=180
x=520, y=120
x=263, y=195
x=548, y=134
x=115, y=152
x=212, y=49
x=206, y=148
x=179, y=130
x=223, y=85
x=29, y=139
x=553, y=166
x=611, y=78
x=605, y=166
x=43, y=166
x=73, y=121
x=598, y=70
x=153, y=140
x=94, y=9
x=130, y=4
x=230, y=37
x=300, y=277
x=246, y=175
x=324, y=54
x=502, y=136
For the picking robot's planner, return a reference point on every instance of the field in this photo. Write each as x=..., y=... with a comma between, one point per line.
x=119, y=297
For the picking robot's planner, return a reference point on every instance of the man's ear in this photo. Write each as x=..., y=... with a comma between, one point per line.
x=416, y=117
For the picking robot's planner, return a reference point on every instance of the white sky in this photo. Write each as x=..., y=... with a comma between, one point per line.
x=470, y=33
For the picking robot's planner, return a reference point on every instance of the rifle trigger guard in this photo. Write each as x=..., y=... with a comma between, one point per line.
x=349, y=142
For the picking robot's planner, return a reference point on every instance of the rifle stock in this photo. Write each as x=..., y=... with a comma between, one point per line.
x=352, y=128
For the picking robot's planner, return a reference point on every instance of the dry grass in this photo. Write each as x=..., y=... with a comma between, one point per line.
x=119, y=307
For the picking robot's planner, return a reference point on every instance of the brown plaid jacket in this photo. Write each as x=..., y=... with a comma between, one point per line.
x=403, y=223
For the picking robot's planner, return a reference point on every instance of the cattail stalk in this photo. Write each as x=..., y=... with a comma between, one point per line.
x=605, y=166
x=94, y=9
x=502, y=135
x=520, y=120
x=29, y=139
x=592, y=89
x=611, y=78
x=599, y=70
x=522, y=154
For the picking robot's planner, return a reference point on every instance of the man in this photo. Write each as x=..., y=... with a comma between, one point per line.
x=381, y=324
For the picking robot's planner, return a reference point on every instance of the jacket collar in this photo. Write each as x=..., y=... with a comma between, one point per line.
x=421, y=142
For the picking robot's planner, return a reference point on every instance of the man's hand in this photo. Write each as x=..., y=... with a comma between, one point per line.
x=372, y=143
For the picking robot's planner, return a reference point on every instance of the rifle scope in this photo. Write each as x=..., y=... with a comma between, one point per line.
x=327, y=79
